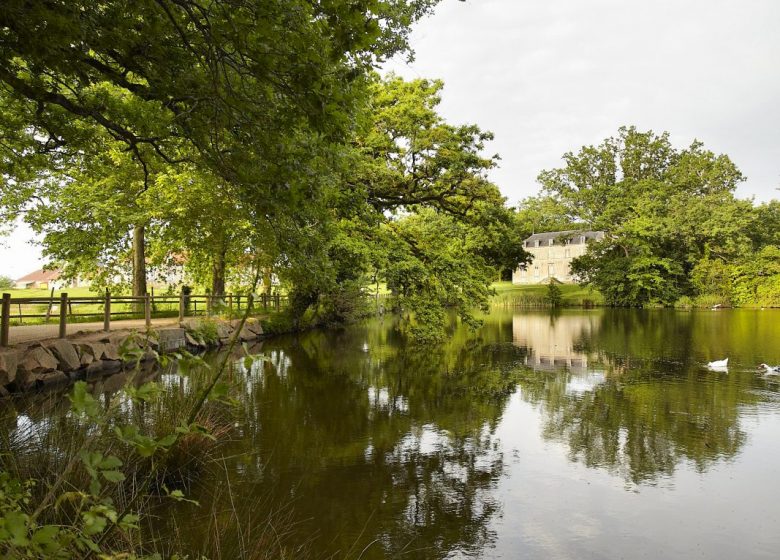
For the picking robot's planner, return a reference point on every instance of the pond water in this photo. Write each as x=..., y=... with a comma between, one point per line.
x=581, y=434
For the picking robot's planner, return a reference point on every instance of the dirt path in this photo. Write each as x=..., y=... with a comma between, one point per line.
x=31, y=333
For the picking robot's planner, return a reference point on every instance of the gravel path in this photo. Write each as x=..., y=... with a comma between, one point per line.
x=32, y=333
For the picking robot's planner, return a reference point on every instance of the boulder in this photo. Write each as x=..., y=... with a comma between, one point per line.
x=9, y=360
x=193, y=342
x=66, y=355
x=246, y=335
x=171, y=339
x=91, y=352
x=111, y=351
x=254, y=326
x=86, y=358
x=54, y=379
x=35, y=363
x=224, y=330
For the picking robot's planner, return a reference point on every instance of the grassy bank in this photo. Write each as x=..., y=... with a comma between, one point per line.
x=535, y=295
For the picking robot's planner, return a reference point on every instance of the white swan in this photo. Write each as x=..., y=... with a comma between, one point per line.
x=770, y=370
x=719, y=364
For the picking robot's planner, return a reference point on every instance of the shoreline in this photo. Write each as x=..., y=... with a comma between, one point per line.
x=56, y=363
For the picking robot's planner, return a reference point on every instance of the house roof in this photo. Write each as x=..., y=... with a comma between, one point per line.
x=41, y=276
x=565, y=234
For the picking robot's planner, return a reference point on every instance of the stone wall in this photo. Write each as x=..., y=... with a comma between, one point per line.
x=59, y=362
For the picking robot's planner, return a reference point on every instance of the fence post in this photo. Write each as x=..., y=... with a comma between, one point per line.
x=208, y=305
x=5, y=320
x=107, y=312
x=250, y=299
x=147, y=310
x=63, y=314
x=181, y=306
x=265, y=301
x=278, y=301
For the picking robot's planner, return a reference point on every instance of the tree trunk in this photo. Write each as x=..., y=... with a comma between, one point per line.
x=218, y=273
x=267, y=280
x=139, y=261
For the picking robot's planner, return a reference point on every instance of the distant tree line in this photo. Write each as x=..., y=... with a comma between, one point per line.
x=676, y=233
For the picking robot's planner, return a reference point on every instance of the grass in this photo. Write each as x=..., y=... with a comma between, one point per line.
x=534, y=295
x=34, y=293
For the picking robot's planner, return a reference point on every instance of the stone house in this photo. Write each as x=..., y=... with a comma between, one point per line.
x=552, y=255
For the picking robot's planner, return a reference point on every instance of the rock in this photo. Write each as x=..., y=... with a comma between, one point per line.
x=66, y=355
x=171, y=339
x=86, y=358
x=224, y=330
x=9, y=360
x=246, y=335
x=35, y=363
x=95, y=351
x=111, y=351
x=255, y=326
x=54, y=379
x=194, y=342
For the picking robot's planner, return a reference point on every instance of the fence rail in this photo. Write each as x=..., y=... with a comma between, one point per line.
x=67, y=309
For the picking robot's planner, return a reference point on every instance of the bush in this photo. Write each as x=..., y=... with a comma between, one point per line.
x=6, y=283
x=554, y=295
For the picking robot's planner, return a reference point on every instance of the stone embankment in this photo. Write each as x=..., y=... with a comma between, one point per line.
x=58, y=362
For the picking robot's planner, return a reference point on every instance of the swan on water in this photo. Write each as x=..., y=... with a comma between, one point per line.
x=719, y=363
x=770, y=370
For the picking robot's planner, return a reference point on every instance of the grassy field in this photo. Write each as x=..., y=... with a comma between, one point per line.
x=72, y=292
x=534, y=295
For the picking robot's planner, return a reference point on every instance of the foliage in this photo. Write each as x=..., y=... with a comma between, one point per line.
x=6, y=283
x=416, y=212
x=554, y=296
x=757, y=279
x=664, y=210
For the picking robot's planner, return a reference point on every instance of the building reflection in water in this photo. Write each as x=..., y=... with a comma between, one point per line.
x=551, y=340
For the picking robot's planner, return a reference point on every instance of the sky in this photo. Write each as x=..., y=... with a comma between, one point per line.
x=547, y=77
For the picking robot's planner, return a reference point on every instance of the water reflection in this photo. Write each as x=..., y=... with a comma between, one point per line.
x=391, y=452
x=624, y=391
x=553, y=340
x=374, y=448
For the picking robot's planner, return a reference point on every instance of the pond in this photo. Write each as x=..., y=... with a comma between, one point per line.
x=579, y=434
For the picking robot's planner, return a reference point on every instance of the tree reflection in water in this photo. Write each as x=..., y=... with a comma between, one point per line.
x=647, y=410
x=354, y=444
x=382, y=450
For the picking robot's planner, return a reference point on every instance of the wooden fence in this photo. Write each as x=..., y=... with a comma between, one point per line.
x=65, y=309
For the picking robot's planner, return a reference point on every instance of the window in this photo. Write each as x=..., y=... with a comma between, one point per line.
x=536, y=271
x=537, y=243
x=582, y=239
x=551, y=269
x=567, y=253
x=550, y=242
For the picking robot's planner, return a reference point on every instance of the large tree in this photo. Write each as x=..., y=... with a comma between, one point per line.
x=663, y=208
x=244, y=90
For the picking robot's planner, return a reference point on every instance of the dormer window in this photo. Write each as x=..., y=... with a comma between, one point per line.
x=582, y=239
x=537, y=243
x=550, y=242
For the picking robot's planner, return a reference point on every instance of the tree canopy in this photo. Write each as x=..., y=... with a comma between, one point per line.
x=669, y=213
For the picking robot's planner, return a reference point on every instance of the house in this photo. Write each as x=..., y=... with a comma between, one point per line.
x=552, y=255
x=46, y=280
x=39, y=280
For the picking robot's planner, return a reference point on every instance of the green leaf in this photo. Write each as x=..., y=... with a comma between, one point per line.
x=113, y=476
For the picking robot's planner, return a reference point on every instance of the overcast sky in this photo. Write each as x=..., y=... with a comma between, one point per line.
x=550, y=76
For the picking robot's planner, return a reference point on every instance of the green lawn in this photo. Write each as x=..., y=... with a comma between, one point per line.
x=534, y=294
x=73, y=292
